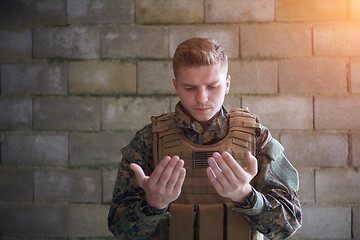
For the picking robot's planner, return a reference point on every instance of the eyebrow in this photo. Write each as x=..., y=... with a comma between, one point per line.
x=193, y=85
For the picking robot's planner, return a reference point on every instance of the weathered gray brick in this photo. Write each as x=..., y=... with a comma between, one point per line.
x=88, y=220
x=282, y=112
x=276, y=134
x=134, y=41
x=231, y=101
x=15, y=113
x=35, y=149
x=97, y=149
x=67, y=185
x=228, y=36
x=246, y=11
x=15, y=43
x=311, y=10
x=41, y=12
x=66, y=42
x=33, y=220
x=33, y=78
x=337, y=112
x=2, y=136
x=129, y=113
x=325, y=222
x=71, y=113
x=171, y=11
x=276, y=40
x=312, y=75
x=97, y=77
x=329, y=40
x=355, y=149
x=16, y=185
x=109, y=177
x=356, y=221
x=337, y=185
x=173, y=101
x=355, y=77
x=316, y=149
x=255, y=77
x=306, y=191
x=155, y=77
x=105, y=11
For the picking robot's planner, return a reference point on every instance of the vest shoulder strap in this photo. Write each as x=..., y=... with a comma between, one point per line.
x=243, y=118
x=161, y=125
x=162, y=122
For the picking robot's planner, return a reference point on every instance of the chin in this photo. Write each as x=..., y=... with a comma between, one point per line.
x=203, y=118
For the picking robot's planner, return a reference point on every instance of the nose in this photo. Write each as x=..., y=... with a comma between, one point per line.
x=201, y=95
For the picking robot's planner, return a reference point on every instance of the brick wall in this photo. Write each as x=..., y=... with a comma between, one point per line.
x=79, y=77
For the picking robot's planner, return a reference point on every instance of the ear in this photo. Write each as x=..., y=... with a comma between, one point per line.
x=175, y=83
x=228, y=82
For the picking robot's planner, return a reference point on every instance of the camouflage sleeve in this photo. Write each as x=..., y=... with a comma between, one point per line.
x=130, y=217
x=274, y=209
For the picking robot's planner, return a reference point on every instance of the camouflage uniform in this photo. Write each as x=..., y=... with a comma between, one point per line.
x=273, y=210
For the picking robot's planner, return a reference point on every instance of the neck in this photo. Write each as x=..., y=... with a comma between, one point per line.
x=205, y=125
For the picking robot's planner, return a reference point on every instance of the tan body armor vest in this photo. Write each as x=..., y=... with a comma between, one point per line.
x=199, y=212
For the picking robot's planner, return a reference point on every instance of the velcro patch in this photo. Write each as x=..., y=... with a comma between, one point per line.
x=200, y=158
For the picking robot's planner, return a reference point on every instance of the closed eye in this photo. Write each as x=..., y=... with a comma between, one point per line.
x=189, y=88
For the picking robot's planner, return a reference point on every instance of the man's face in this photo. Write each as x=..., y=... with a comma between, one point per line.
x=202, y=90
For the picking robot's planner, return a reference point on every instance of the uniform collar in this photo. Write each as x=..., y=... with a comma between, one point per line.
x=216, y=130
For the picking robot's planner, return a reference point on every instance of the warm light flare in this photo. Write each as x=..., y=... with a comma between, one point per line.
x=354, y=10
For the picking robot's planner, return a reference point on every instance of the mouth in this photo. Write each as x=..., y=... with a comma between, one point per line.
x=202, y=109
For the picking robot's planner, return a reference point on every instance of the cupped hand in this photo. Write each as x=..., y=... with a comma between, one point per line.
x=229, y=179
x=164, y=184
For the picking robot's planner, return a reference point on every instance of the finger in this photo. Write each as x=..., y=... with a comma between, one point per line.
x=139, y=174
x=218, y=172
x=156, y=174
x=166, y=174
x=214, y=166
x=213, y=179
x=252, y=165
x=236, y=170
x=231, y=161
x=223, y=161
x=175, y=174
x=180, y=181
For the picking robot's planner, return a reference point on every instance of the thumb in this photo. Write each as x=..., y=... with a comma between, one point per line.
x=252, y=164
x=139, y=174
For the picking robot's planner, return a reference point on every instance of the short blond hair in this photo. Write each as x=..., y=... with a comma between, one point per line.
x=198, y=52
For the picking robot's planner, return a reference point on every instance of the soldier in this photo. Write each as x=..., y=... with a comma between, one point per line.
x=202, y=172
